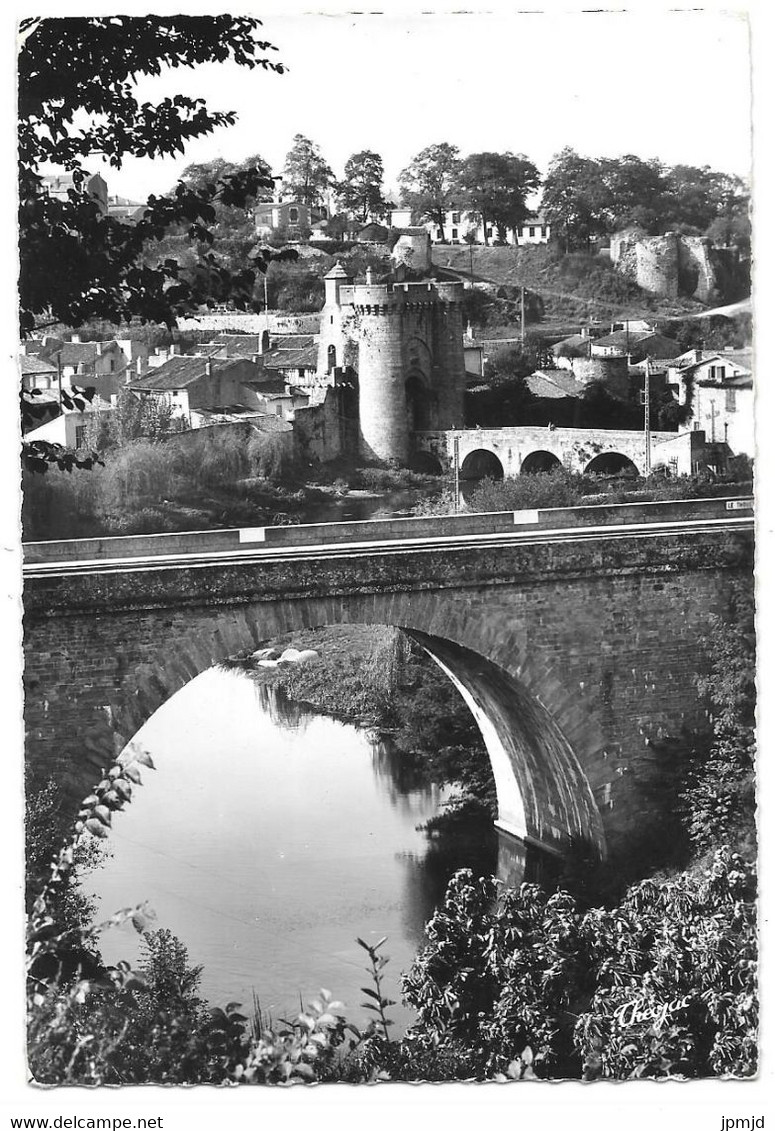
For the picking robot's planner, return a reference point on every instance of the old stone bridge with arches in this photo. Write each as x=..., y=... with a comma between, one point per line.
x=498, y=453
x=576, y=649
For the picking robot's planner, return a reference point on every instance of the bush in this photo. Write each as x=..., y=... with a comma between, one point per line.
x=718, y=798
x=270, y=456
x=662, y=985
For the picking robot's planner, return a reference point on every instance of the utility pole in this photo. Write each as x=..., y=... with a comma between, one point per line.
x=522, y=316
x=713, y=413
x=59, y=377
x=647, y=415
x=456, y=464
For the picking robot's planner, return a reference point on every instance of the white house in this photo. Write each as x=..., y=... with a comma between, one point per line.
x=461, y=227
x=719, y=387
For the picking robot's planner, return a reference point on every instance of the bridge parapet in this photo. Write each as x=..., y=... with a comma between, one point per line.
x=380, y=530
x=572, y=448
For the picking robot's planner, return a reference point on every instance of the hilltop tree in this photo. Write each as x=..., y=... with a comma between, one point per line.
x=634, y=192
x=429, y=183
x=494, y=188
x=77, y=100
x=306, y=176
x=360, y=190
x=572, y=198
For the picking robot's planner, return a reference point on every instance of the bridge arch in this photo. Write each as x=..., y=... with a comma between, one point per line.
x=545, y=801
x=539, y=461
x=611, y=463
x=481, y=463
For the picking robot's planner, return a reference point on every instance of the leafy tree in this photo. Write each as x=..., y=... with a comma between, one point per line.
x=572, y=198
x=132, y=418
x=494, y=188
x=634, y=192
x=706, y=201
x=306, y=176
x=664, y=984
x=77, y=100
x=429, y=183
x=360, y=190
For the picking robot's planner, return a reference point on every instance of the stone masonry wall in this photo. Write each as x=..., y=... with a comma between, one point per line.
x=594, y=645
x=671, y=265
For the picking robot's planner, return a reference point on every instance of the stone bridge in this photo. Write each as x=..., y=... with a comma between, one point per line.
x=576, y=656
x=507, y=452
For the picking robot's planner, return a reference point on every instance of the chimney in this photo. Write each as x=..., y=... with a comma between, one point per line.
x=75, y=338
x=369, y=277
x=99, y=346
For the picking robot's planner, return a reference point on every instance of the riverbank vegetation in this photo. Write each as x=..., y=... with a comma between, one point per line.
x=151, y=481
x=561, y=488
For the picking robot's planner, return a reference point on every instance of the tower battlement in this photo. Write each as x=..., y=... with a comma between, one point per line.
x=400, y=295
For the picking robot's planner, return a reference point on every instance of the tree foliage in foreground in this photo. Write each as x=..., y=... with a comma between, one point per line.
x=664, y=984
x=77, y=100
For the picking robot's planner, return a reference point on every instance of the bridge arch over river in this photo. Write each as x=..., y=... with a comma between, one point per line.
x=576, y=655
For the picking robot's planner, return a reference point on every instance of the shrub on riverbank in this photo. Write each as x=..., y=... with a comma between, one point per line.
x=664, y=984
x=561, y=488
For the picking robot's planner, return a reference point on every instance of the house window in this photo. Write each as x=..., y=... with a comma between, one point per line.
x=717, y=372
x=730, y=403
x=112, y=364
x=489, y=233
x=439, y=234
x=455, y=217
x=531, y=231
x=696, y=426
x=331, y=358
x=454, y=233
x=80, y=435
x=293, y=215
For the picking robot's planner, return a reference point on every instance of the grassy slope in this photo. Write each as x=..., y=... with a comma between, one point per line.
x=571, y=287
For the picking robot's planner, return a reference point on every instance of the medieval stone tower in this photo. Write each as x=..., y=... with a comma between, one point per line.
x=405, y=342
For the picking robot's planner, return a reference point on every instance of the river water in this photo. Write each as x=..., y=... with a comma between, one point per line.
x=267, y=839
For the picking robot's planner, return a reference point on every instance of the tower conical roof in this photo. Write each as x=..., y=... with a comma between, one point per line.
x=338, y=272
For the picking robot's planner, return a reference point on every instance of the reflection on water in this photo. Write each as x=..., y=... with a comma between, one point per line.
x=394, y=504
x=267, y=840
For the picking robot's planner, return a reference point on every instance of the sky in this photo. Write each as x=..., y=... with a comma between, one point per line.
x=672, y=85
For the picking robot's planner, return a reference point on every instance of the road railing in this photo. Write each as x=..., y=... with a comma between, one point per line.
x=247, y=539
